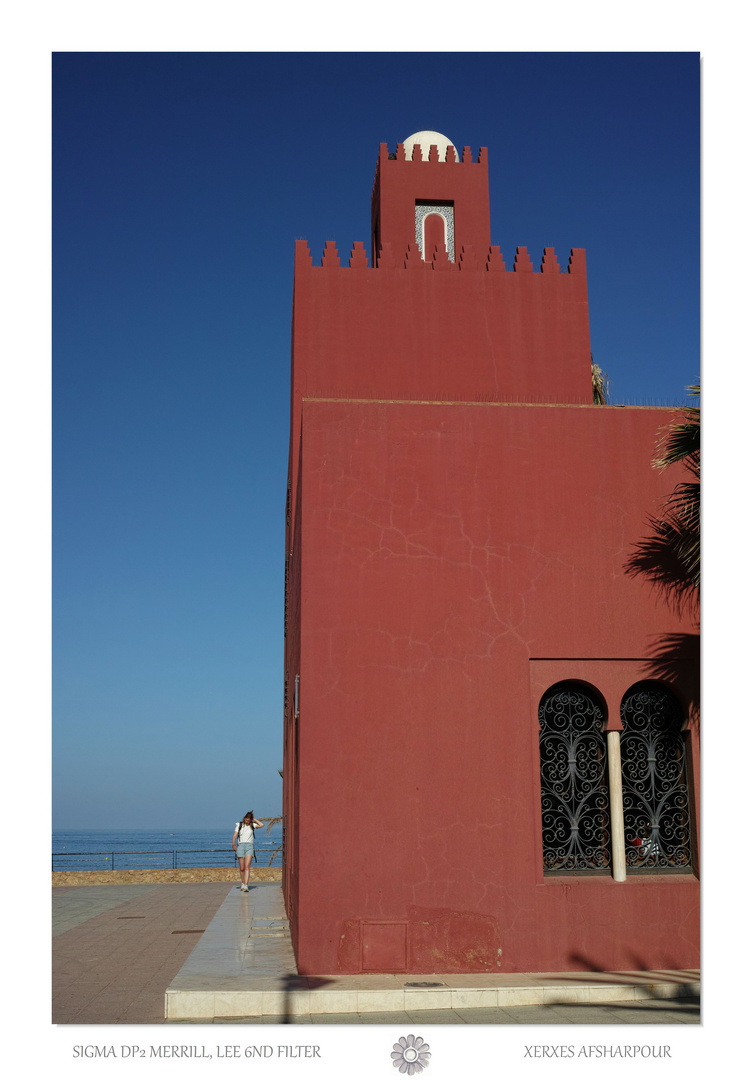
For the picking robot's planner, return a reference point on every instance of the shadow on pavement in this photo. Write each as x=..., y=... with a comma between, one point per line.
x=298, y=982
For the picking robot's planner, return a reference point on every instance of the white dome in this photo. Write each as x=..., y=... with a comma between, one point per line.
x=428, y=139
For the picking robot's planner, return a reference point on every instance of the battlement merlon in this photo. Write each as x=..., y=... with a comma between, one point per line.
x=302, y=255
x=435, y=156
x=467, y=260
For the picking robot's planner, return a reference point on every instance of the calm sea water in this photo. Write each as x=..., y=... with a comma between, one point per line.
x=156, y=849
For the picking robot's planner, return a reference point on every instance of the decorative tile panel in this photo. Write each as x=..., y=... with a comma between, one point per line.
x=447, y=213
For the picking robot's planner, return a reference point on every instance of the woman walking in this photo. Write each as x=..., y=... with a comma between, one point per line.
x=243, y=843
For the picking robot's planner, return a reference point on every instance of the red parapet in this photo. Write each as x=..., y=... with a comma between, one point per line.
x=413, y=260
x=549, y=265
x=386, y=257
x=577, y=261
x=302, y=256
x=330, y=254
x=468, y=259
x=522, y=260
x=358, y=260
x=441, y=259
x=495, y=261
x=449, y=156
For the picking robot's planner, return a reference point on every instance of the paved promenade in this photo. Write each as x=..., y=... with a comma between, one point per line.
x=206, y=953
x=117, y=947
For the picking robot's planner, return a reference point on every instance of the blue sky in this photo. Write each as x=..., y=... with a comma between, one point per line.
x=180, y=183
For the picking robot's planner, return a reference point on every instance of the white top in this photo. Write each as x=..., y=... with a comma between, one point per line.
x=428, y=139
x=246, y=833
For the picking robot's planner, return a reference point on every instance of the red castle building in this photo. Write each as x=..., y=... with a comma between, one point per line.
x=491, y=746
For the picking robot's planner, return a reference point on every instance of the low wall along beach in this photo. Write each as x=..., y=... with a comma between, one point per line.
x=162, y=877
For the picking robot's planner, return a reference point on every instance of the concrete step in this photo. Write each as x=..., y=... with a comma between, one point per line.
x=244, y=966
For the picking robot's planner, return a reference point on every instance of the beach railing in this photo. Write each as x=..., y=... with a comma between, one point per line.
x=268, y=854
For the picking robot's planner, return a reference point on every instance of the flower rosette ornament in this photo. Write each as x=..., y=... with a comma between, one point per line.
x=411, y=1055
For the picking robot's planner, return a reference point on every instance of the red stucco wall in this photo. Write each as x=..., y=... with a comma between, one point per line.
x=470, y=332
x=445, y=547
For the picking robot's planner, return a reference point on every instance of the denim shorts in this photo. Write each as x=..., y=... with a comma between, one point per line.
x=244, y=849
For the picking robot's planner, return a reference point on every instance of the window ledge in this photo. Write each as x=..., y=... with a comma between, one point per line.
x=586, y=879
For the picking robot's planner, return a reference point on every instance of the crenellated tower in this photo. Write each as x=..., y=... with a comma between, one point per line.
x=435, y=313
x=457, y=521
x=423, y=195
x=428, y=313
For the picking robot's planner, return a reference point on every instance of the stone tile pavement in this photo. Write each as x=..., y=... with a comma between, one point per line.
x=683, y=1011
x=72, y=907
x=117, y=948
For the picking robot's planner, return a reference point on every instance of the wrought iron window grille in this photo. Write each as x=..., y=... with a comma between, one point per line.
x=574, y=789
x=576, y=812
x=655, y=803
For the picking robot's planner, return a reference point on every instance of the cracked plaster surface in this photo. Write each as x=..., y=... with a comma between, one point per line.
x=433, y=561
x=475, y=534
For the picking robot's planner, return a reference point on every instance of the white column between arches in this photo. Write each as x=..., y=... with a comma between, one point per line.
x=616, y=818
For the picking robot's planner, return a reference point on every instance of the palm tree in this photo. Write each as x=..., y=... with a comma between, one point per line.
x=671, y=555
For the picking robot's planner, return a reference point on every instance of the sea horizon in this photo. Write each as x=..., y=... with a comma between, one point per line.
x=156, y=848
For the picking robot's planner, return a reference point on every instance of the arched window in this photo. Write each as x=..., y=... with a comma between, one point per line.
x=434, y=224
x=574, y=790
x=654, y=781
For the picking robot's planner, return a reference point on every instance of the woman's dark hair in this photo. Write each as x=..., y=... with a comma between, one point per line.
x=249, y=814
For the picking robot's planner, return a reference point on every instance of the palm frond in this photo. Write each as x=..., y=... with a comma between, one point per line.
x=670, y=556
x=681, y=441
x=600, y=381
